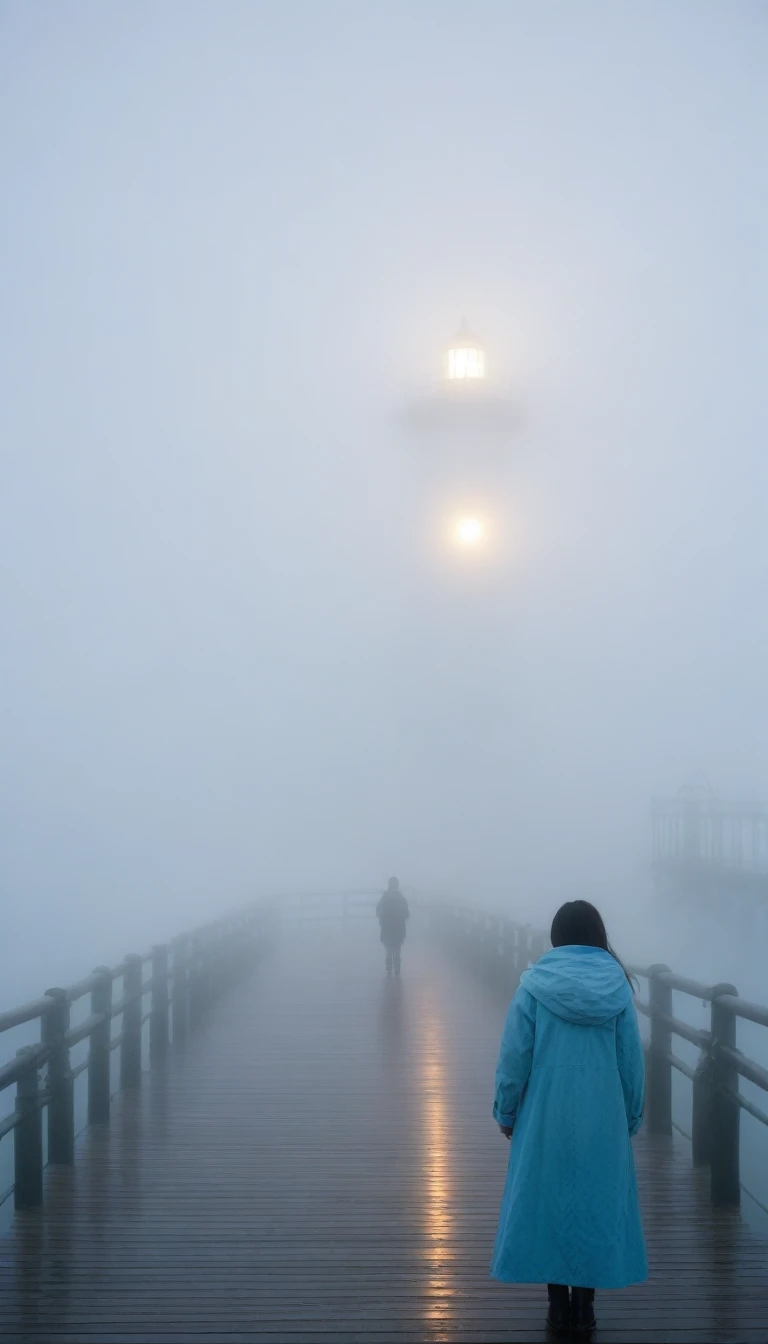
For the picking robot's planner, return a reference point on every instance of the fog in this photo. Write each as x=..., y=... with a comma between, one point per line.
x=235, y=239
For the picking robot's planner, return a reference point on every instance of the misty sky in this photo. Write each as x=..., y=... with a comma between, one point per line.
x=234, y=238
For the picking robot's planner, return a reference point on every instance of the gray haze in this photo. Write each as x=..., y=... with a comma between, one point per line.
x=234, y=239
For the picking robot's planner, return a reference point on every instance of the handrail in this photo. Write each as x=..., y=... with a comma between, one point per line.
x=315, y=907
x=717, y=1102
x=746, y=1067
x=11, y=1072
x=694, y=1035
x=497, y=947
x=187, y=977
x=751, y=1012
x=695, y=988
x=28, y=1012
x=500, y=948
x=82, y=988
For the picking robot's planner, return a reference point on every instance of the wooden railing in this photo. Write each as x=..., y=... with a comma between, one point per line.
x=495, y=946
x=499, y=949
x=317, y=907
x=185, y=978
x=717, y=1102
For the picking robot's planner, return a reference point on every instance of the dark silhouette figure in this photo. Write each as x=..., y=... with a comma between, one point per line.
x=392, y=912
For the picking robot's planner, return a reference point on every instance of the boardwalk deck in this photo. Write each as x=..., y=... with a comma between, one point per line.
x=320, y=1165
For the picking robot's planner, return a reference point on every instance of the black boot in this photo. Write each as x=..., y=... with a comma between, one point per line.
x=559, y=1314
x=583, y=1311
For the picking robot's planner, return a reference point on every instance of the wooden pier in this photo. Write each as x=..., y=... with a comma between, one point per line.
x=318, y=1165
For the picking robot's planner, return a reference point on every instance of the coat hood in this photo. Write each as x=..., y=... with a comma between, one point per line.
x=585, y=985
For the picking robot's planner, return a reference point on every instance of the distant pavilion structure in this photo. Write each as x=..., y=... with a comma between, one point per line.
x=703, y=845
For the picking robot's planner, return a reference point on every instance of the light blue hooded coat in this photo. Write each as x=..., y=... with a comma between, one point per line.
x=569, y=1082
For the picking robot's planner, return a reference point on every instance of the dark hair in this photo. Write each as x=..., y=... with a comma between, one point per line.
x=579, y=924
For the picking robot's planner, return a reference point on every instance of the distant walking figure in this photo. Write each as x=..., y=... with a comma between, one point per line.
x=392, y=912
x=569, y=1094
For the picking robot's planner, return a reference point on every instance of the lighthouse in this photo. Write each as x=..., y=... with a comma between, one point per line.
x=461, y=435
x=468, y=397
x=465, y=359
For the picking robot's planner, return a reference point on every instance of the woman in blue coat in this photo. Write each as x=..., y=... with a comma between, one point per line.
x=569, y=1094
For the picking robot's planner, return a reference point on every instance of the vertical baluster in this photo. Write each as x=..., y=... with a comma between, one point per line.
x=489, y=948
x=222, y=952
x=230, y=956
x=701, y=1124
x=130, y=1050
x=509, y=958
x=158, y=1022
x=537, y=946
x=233, y=957
x=262, y=927
x=196, y=981
x=522, y=953
x=498, y=953
x=28, y=1138
x=99, y=1060
x=725, y=1187
x=660, y=1081
x=219, y=948
x=180, y=994
x=61, y=1107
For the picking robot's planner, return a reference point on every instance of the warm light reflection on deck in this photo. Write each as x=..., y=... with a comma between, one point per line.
x=438, y=1211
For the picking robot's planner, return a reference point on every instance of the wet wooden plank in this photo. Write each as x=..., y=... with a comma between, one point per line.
x=321, y=1165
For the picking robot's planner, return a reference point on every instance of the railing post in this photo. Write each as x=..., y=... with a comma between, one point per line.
x=660, y=1089
x=487, y=947
x=234, y=962
x=226, y=966
x=216, y=952
x=522, y=953
x=28, y=1139
x=207, y=959
x=725, y=1188
x=701, y=1122
x=158, y=1022
x=130, y=1050
x=179, y=999
x=197, y=982
x=510, y=959
x=538, y=942
x=99, y=1089
x=498, y=955
x=231, y=955
x=647, y=1067
x=61, y=1106
x=254, y=945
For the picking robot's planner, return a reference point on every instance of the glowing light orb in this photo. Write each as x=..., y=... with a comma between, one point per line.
x=469, y=532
